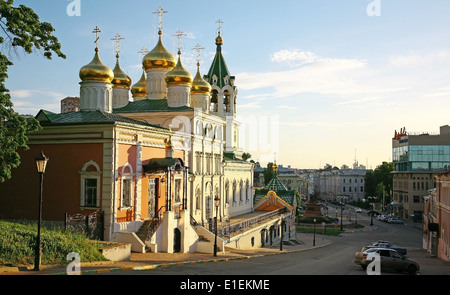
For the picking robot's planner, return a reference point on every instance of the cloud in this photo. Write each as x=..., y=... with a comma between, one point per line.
x=312, y=75
x=297, y=56
x=323, y=124
x=415, y=59
x=30, y=101
x=286, y=107
x=26, y=93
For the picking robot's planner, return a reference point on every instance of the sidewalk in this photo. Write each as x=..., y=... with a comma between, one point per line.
x=146, y=261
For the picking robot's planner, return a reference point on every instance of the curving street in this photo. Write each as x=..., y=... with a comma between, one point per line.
x=334, y=259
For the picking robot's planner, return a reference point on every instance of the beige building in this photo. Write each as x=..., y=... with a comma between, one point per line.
x=417, y=159
x=436, y=219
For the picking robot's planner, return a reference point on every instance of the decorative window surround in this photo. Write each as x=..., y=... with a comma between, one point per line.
x=90, y=178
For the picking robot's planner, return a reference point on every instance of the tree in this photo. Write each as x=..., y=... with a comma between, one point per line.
x=379, y=181
x=246, y=156
x=268, y=173
x=20, y=27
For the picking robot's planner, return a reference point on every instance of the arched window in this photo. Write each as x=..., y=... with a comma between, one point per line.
x=234, y=191
x=214, y=101
x=90, y=185
x=226, y=101
x=241, y=193
x=198, y=196
x=227, y=192
x=247, y=193
x=127, y=175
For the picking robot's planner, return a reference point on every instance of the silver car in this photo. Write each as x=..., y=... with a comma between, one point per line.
x=390, y=260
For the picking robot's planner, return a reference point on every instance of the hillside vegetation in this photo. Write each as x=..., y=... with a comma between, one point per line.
x=17, y=245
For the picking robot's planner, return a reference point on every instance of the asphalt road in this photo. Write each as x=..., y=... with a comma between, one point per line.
x=335, y=259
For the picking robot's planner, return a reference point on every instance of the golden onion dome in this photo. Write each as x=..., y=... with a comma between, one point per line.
x=199, y=85
x=179, y=76
x=159, y=57
x=219, y=40
x=139, y=90
x=121, y=80
x=96, y=71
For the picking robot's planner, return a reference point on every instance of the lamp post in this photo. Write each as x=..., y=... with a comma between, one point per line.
x=314, y=233
x=216, y=203
x=342, y=209
x=41, y=163
x=283, y=223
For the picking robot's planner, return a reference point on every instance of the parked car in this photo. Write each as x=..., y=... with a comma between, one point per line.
x=358, y=210
x=395, y=220
x=384, y=218
x=389, y=259
x=386, y=245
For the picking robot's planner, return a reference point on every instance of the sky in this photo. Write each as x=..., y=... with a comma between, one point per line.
x=319, y=81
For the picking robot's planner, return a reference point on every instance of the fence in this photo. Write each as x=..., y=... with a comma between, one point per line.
x=91, y=225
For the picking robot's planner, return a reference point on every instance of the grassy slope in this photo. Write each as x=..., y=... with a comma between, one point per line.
x=17, y=245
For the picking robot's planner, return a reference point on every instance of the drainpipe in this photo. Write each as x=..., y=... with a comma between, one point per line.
x=113, y=215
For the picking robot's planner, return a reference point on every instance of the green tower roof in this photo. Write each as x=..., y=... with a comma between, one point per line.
x=219, y=68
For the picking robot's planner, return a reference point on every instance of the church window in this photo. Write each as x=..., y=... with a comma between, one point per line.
x=234, y=191
x=90, y=192
x=226, y=101
x=127, y=186
x=126, y=193
x=177, y=190
x=90, y=185
x=198, y=196
x=214, y=101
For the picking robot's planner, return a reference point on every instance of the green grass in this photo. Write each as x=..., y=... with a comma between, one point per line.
x=329, y=231
x=18, y=241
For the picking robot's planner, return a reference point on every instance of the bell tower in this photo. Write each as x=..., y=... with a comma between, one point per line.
x=223, y=94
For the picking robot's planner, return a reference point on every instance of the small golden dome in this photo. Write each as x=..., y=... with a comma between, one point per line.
x=121, y=80
x=179, y=76
x=219, y=40
x=159, y=57
x=199, y=85
x=275, y=167
x=96, y=71
x=139, y=90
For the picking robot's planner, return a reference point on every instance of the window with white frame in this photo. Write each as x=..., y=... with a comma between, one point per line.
x=127, y=175
x=90, y=185
x=178, y=191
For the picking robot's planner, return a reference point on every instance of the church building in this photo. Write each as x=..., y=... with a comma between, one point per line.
x=163, y=166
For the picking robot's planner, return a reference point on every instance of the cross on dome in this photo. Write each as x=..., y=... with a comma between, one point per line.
x=160, y=12
x=96, y=31
x=220, y=22
x=198, y=48
x=142, y=52
x=179, y=34
x=117, y=39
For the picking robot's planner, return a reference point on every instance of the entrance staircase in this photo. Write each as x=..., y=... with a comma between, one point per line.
x=148, y=228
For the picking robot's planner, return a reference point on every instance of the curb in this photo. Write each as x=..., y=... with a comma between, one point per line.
x=172, y=264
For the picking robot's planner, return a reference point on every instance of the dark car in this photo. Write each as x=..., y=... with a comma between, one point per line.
x=389, y=260
x=386, y=245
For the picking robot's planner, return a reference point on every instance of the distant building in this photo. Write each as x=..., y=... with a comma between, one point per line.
x=417, y=159
x=70, y=104
x=340, y=184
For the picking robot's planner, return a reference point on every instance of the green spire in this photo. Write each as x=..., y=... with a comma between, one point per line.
x=218, y=73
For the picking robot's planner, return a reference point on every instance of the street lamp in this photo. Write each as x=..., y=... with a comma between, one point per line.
x=342, y=209
x=314, y=233
x=281, y=239
x=216, y=203
x=41, y=164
